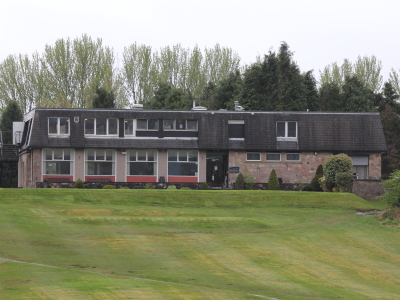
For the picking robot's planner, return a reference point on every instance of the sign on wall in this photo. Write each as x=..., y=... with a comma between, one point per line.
x=233, y=169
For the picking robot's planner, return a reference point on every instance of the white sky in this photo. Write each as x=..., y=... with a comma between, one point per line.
x=318, y=31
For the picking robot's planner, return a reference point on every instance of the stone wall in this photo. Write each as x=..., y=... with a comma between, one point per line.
x=368, y=189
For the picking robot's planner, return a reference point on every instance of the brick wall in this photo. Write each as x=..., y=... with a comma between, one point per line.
x=368, y=189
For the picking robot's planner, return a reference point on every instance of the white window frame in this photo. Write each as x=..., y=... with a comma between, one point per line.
x=286, y=137
x=247, y=156
x=266, y=156
x=97, y=152
x=58, y=126
x=45, y=160
x=179, y=160
x=293, y=160
x=147, y=124
x=107, y=127
x=174, y=122
x=128, y=161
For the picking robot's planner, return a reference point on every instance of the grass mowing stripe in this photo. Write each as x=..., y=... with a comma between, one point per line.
x=126, y=276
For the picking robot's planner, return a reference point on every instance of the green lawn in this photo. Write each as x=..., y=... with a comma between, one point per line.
x=171, y=244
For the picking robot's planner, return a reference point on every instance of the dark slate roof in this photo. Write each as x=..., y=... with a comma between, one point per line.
x=317, y=131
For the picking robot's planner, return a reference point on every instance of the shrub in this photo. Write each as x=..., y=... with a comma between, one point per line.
x=79, y=184
x=315, y=185
x=249, y=181
x=239, y=183
x=124, y=188
x=392, y=189
x=204, y=186
x=109, y=187
x=338, y=172
x=306, y=188
x=171, y=187
x=149, y=186
x=186, y=188
x=273, y=183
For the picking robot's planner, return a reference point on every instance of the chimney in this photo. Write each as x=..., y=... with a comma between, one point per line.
x=236, y=105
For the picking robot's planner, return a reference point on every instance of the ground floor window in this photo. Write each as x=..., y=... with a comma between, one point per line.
x=253, y=156
x=99, y=162
x=273, y=157
x=292, y=156
x=58, y=161
x=182, y=163
x=142, y=162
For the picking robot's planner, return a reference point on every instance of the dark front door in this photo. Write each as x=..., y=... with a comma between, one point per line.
x=217, y=168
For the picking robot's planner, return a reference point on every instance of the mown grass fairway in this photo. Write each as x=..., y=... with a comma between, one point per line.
x=171, y=244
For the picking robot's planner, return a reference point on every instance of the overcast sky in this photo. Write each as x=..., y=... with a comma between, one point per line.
x=318, y=31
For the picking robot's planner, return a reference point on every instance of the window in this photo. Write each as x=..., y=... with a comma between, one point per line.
x=59, y=126
x=147, y=124
x=129, y=127
x=101, y=126
x=286, y=129
x=292, y=156
x=100, y=162
x=360, y=166
x=253, y=156
x=236, y=129
x=273, y=157
x=142, y=162
x=182, y=163
x=180, y=124
x=58, y=161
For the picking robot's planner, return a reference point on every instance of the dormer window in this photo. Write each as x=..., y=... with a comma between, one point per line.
x=101, y=126
x=286, y=130
x=236, y=129
x=58, y=126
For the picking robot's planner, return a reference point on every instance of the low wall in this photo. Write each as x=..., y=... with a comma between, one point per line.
x=368, y=189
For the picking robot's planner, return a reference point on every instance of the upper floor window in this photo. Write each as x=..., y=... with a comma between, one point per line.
x=147, y=124
x=101, y=126
x=286, y=129
x=59, y=126
x=180, y=124
x=236, y=129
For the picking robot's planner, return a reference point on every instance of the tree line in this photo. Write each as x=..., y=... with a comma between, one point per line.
x=84, y=73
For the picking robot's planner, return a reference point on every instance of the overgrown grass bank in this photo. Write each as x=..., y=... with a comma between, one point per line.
x=171, y=244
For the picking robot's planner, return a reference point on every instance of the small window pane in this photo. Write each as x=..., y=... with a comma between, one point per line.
x=58, y=154
x=100, y=155
x=142, y=124
x=253, y=156
x=53, y=122
x=172, y=155
x=153, y=124
x=49, y=154
x=183, y=156
x=280, y=129
x=128, y=127
x=112, y=126
x=293, y=156
x=151, y=155
x=168, y=124
x=273, y=156
x=292, y=129
x=90, y=154
x=192, y=124
x=141, y=155
x=109, y=155
x=89, y=126
x=132, y=155
x=193, y=155
x=180, y=124
x=67, y=154
x=64, y=125
x=101, y=125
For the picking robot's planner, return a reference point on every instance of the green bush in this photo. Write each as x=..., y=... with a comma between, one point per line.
x=109, y=187
x=204, y=186
x=171, y=187
x=315, y=185
x=392, y=189
x=273, y=183
x=79, y=184
x=338, y=172
x=249, y=181
x=306, y=188
x=149, y=186
x=239, y=183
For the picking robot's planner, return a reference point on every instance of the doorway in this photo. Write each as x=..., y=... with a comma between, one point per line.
x=217, y=168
